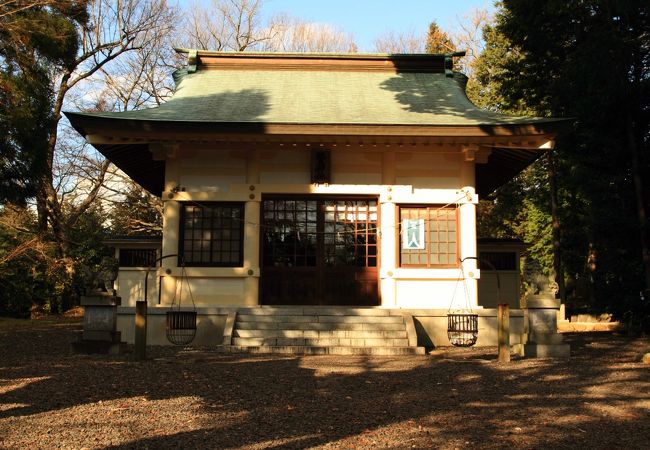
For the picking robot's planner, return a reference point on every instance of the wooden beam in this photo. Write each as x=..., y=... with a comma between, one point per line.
x=162, y=152
x=141, y=330
x=503, y=324
x=469, y=152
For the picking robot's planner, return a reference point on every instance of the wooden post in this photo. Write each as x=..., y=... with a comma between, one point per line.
x=141, y=330
x=503, y=323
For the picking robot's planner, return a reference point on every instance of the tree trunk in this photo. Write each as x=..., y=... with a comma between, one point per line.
x=49, y=208
x=557, y=255
x=41, y=211
x=633, y=136
x=637, y=179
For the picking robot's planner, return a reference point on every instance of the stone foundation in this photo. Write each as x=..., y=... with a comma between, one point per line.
x=543, y=338
x=100, y=333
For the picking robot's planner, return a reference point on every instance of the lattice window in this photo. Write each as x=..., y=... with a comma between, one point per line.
x=350, y=233
x=309, y=233
x=137, y=257
x=428, y=236
x=212, y=234
x=290, y=233
x=499, y=260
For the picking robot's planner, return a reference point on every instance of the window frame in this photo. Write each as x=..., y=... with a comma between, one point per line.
x=486, y=255
x=130, y=251
x=428, y=265
x=211, y=263
x=321, y=221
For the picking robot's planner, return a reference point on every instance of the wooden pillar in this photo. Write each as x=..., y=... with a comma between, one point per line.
x=387, y=233
x=253, y=167
x=388, y=172
x=141, y=330
x=467, y=222
x=388, y=241
x=252, y=231
x=252, y=253
x=171, y=207
x=503, y=324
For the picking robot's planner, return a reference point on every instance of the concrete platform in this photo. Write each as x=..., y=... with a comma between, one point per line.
x=312, y=350
x=322, y=331
x=547, y=350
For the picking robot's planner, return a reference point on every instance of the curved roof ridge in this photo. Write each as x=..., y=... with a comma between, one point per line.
x=325, y=55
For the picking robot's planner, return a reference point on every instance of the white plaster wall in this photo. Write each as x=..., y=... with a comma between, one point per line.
x=209, y=182
x=209, y=327
x=487, y=289
x=205, y=291
x=211, y=170
x=130, y=286
x=428, y=170
x=420, y=178
x=432, y=328
x=433, y=294
x=356, y=167
x=287, y=166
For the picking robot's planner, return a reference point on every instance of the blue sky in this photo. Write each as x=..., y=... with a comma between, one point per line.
x=368, y=19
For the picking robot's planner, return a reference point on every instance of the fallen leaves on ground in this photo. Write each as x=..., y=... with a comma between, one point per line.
x=197, y=398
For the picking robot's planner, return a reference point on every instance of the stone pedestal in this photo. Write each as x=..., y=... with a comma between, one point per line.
x=543, y=338
x=99, y=333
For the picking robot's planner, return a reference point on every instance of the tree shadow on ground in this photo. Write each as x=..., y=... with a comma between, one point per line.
x=599, y=398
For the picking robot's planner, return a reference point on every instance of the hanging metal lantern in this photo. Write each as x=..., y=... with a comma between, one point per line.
x=181, y=327
x=462, y=329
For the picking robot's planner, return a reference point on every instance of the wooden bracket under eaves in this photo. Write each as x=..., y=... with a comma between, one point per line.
x=162, y=152
x=449, y=66
x=449, y=62
x=475, y=153
x=192, y=61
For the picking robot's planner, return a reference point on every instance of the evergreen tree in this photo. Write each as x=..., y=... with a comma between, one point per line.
x=588, y=60
x=140, y=214
x=438, y=41
x=35, y=42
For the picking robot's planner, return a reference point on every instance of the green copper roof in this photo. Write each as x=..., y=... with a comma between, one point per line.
x=348, y=94
x=320, y=97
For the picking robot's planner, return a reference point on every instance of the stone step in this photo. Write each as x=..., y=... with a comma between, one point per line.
x=318, y=319
x=273, y=318
x=317, y=311
x=545, y=338
x=319, y=326
x=354, y=334
x=320, y=342
x=308, y=350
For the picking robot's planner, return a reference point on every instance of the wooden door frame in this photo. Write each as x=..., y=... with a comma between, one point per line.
x=320, y=222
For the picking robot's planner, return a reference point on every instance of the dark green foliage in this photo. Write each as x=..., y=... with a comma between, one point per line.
x=438, y=41
x=34, y=43
x=589, y=60
x=30, y=274
x=140, y=214
x=24, y=100
x=21, y=280
x=16, y=280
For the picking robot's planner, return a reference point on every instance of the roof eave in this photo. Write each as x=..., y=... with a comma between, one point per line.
x=88, y=124
x=125, y=141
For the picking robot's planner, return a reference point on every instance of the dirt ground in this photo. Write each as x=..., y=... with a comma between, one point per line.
x=184, y=398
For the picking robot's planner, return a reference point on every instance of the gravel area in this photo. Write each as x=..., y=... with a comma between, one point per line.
x=196, y=398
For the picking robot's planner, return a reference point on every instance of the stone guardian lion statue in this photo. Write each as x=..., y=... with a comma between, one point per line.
x=103, y=278
x=538, y=283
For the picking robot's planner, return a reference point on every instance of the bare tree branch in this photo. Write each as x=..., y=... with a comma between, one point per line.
x=407, y=42
x=469, y=37
x=116, y=29
x=225, y=25
x=289, y=34
x=11, y=7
